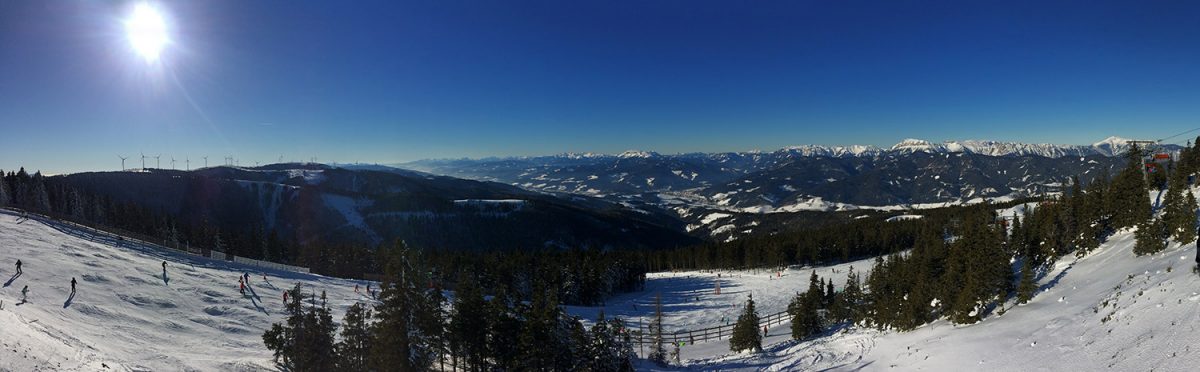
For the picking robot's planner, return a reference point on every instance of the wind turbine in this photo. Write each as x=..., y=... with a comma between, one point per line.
x=205, y=161
x=187, y=164
x=143, y=161
x=122, y=161
x=172, y=163
x=157, y=161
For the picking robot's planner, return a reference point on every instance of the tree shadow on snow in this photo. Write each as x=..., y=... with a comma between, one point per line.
x=13, y=278
x=1054, y=281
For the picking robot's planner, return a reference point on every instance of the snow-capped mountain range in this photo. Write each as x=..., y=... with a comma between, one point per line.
x=804, y=178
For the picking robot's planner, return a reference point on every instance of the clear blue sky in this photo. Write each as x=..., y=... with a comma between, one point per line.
x=402, y=80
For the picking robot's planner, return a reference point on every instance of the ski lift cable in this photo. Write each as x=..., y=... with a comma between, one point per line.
x=1160, y=140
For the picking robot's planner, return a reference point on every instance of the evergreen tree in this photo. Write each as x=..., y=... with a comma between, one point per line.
x=984, y=266
x=1176, y=213
x=354, y=349
x=849, y=302
x=468, y=317
x=5, y=195
x=549, y=341
x=1150, y=237
x=806, y=321
x=1129, y=198
x=1092, y=224
x=303, y=342
x=1027, y=286
x=746, y=335
x=504, y=326
x=610, y=348
x=1187, y=234
x=658, y=351
x=403, y=341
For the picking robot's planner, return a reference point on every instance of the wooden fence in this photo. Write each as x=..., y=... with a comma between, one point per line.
x=642, y=337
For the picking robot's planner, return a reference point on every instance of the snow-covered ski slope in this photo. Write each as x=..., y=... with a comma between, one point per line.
x=1110, y=310
x=125, y=315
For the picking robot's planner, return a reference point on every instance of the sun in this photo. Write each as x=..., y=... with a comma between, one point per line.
x=147, y=32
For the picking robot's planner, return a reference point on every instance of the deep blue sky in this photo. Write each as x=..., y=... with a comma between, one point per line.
x=402, y=80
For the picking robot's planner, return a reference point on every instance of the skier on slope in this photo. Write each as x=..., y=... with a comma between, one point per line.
x=285, y=297
x=72, y=285
x=18, y=267
x=24, y=294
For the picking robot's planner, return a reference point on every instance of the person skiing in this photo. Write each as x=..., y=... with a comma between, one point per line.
x=243, y=287
x=356, y=288
x=164, y=266
x=246, y=276
x=285, y=297
x=72, y=285
x=18, y=267
x=24, y=293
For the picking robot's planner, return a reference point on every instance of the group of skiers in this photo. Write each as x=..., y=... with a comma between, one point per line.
x=369, y=292
x=25, y=289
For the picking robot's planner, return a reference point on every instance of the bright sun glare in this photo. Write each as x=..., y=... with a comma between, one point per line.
x=147, y=32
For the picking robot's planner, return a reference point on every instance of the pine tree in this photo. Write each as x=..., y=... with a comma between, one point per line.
x=1129, y=198
x=850, y=300
x=354, y=349
x=548, y=341
x=5, y=195
x=468, y=317
x=1150, y=237
x=1027, y=286
x=503, y=328
x=610, y=348
x=1177, y=215
x=1187, y=234
x=658, y=351
x=402, y=341
x=806, y=321
x=305, y=341
x=1091, y=217
x=746, y=335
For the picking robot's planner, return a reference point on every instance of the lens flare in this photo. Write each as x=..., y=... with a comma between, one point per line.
x=147, y=32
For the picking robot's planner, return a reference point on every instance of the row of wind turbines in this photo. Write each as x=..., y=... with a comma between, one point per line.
x=229, y=161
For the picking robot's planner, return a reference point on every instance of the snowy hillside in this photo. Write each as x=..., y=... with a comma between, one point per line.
x=126, y=315
x=1110, y=310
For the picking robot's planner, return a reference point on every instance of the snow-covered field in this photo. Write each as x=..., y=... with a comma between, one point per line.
x=126, y=315
x=690, y=300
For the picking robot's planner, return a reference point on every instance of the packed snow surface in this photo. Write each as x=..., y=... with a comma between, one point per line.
x=126, y=315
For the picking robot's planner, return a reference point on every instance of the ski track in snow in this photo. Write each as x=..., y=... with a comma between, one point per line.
x=126, y=317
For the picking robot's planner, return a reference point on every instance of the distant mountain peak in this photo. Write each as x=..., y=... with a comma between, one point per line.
x=638, y=154
x=910, y=145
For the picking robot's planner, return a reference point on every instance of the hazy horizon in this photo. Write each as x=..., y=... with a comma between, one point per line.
x=390, y=82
